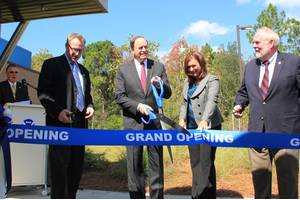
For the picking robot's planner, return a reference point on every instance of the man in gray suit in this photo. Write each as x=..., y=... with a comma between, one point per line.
x=271, y=86
x=134, y=95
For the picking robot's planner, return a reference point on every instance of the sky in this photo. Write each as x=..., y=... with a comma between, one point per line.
x=163, y=21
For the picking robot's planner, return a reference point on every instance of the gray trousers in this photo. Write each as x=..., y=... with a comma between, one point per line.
x=136, y=172
x=287, y=169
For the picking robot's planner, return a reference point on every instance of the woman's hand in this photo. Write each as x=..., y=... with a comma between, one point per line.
x=202, y=125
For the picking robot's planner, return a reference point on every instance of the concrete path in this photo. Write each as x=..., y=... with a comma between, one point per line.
x=33, y=193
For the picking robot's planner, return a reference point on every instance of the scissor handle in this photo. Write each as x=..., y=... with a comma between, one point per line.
x=158, y=97
x=151, y=116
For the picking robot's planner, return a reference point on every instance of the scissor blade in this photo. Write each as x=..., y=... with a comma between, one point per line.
x=172, y=123
x=170, y=153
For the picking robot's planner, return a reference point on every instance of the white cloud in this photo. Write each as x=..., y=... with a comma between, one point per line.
x=242, y=2
x=290, y=7
x=204, y=30
x=284, y=3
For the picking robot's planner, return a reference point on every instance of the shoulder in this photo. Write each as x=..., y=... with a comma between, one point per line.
x=154, y=63
x=211, y=77
x=3, y=83
x=56, y=59
x=289, y=57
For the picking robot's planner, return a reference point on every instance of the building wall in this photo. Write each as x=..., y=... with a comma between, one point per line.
x=31, y=77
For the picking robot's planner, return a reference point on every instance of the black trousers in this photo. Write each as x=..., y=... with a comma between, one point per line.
x=202, y=158
x=136, y=173
x=66, y=166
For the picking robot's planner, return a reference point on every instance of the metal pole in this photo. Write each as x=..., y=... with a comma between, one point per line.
x=239, y=51
x=12, y=43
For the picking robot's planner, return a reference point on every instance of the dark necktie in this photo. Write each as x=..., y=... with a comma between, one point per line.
x=264, y=87
x=143, y=77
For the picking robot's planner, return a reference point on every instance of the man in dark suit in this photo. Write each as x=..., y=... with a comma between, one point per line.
x=64, y=90
x=11, y=90
x=271, y=86
x=134, y=95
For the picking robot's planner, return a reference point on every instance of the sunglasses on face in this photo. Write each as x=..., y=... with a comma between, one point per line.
x=13, y=72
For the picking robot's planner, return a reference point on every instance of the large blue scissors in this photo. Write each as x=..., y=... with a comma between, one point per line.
x=161, y=116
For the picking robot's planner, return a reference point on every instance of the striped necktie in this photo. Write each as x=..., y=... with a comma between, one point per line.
x=264, y=87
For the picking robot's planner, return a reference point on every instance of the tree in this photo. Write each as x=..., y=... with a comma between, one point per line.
x=39, y=58
x=286, y=28
x=102, y=60
x=227, y=66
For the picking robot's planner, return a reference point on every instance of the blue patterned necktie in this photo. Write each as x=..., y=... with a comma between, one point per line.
x=79, y=96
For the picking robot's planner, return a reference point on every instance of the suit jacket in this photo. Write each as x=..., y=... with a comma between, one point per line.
x=204, y=101
x=56, y=81
x=281, y=110
x=6, y=94
x=129, y=92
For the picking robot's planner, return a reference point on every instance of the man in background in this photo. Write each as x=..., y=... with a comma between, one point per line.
x=64, y=90
x=12, y=90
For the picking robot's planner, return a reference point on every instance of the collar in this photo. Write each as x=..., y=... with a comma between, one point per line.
x=69, y=61
x=137, y=63
x=272, y=59
x=11, y=83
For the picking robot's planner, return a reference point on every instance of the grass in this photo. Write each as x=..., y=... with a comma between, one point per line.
x=228, y=160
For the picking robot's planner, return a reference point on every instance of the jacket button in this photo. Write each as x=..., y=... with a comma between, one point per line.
x=262, y=118
x=200, y=113
x=198, y=105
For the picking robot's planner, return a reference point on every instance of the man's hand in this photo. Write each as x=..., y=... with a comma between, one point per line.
x=155, y=81
x=65, y=116
x=89, y=112
x=202, y=125
x=237, y=111
x=143, y=109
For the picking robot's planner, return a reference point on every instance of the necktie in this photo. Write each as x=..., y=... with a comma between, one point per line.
x=264, y=87
x=79, y=96
x=13, y=89
x=143, y=77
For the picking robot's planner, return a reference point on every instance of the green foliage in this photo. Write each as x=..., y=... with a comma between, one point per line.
x=39, y=58
x=231, y=161
x=119, y=168
x=293, y=35
x=114, y=122
x=286, y=28
x=102, y=60
x=227, y=65
x=94, y=161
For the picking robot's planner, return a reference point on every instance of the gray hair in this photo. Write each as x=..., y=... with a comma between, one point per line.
x=268, y=34
x=75, y=35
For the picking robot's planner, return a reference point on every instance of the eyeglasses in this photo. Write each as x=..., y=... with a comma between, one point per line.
x=76, y=50
x=13, y=72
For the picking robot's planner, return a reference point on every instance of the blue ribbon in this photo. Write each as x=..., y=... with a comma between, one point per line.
x=74, y=136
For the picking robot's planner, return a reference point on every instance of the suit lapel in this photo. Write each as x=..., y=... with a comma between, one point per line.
x=256, y=77
x=200, y=86
x=278, y=67
x=9, y=91
x=149, y=74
